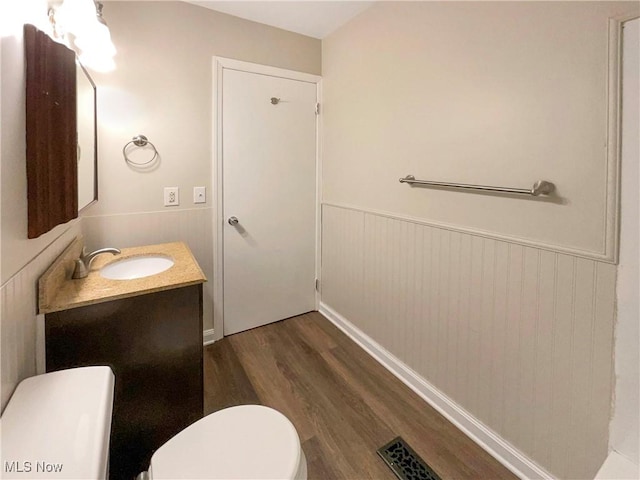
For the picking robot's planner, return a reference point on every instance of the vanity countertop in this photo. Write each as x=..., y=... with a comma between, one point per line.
x=58, y=291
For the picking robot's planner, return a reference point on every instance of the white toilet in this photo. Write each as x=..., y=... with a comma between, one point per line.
x=58, y=425
x=249, y=441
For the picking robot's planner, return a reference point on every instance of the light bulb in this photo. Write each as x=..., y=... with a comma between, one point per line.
x=95, y=38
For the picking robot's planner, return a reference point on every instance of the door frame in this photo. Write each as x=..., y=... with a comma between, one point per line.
x=219, y=65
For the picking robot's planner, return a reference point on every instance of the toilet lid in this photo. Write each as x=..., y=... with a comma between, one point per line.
x=248, y=441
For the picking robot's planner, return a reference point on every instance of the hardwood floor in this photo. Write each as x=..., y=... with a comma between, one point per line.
x=342, y=402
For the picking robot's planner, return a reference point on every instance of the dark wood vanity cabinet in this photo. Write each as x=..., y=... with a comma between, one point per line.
x=153, y=343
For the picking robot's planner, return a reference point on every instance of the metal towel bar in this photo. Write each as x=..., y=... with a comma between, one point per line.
x=541, y=187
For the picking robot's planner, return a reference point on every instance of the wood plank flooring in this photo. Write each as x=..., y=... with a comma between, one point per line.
x=342, y=402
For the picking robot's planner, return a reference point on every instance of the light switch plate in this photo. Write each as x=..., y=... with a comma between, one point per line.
x=171, y=196
x=199, y=195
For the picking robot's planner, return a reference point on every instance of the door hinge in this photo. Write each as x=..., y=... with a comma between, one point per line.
x=317, y=285
x=317, y=109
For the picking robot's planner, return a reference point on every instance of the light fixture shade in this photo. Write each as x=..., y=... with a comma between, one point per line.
x=75, y=15
x=96, y=38
x=85, y=29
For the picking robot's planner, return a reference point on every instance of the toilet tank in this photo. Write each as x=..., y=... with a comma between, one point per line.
x=57, y=425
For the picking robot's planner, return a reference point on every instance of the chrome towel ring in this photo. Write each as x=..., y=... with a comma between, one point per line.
x=139, y=141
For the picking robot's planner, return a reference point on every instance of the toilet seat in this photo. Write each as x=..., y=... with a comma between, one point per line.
x=247, y=441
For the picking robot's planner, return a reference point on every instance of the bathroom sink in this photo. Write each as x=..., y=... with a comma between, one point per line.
x=136, y=267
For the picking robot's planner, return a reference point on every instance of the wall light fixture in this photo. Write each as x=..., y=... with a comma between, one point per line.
x=79, y=24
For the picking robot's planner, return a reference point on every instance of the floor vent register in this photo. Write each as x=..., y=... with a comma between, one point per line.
x=405, y=462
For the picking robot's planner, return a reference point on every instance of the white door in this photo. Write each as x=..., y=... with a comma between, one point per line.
x=269, y=186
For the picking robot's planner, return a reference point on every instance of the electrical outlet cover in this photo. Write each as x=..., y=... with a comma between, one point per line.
x=171, y=196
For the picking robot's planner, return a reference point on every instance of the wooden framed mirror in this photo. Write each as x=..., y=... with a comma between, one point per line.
x=60, y=133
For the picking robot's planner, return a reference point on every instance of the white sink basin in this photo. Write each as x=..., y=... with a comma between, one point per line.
x=136, y=267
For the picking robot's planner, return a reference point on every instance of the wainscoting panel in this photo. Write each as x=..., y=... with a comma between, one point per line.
x=191, y=226
x=518, y=337
x=18, y=326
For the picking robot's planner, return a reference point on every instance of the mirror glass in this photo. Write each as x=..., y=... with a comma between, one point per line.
x=87, y=138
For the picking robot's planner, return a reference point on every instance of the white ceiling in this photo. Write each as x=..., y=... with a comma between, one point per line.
x=312, y=18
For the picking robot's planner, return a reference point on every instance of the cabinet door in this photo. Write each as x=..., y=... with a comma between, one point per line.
x=153, y=343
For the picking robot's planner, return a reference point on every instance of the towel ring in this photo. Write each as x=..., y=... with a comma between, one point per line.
x=139, y=141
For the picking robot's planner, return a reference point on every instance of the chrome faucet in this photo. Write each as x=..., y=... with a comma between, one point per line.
x=83, y=264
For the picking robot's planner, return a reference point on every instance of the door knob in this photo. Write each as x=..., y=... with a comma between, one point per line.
x=233, y=221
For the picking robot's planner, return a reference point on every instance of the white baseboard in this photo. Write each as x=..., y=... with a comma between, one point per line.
x=207, y=337
x=507, y=455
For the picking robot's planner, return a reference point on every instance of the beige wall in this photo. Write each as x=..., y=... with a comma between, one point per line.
x=495, y=93
x=162, y=88
x=488, y=298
